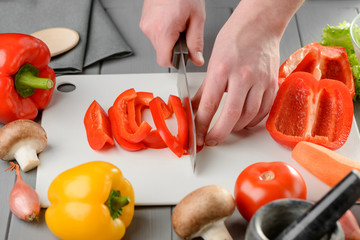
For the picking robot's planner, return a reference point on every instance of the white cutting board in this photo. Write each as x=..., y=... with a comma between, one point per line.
x=158, y=176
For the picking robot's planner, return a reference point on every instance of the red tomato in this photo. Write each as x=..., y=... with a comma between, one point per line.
x=264, y=182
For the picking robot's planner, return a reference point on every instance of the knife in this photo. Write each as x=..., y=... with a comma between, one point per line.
x=180, y=56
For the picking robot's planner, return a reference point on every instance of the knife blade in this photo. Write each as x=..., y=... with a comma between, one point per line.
x=180, y=55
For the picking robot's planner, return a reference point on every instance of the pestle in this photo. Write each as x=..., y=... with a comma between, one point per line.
x=322, y=216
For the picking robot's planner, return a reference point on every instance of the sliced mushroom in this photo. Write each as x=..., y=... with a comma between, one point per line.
x=202, y=214
x=22, y=140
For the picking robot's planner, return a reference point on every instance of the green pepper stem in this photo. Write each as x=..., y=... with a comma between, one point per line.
x=26, y=80
x=30, y=80
x=116, y=202
x=120, y=202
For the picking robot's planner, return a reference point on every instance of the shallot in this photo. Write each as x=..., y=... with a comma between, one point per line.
x=24, y=202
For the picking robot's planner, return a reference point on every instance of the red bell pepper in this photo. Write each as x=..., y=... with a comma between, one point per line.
x=116, y=133
x=135, y=108
x=26, y=80
x=133, y=124
x=97, y=126
x=182, y=121
x=306, y=109
x=143, y=98
x=322, y=62
x=154, y=140
x=156, y=107
x=122, y=117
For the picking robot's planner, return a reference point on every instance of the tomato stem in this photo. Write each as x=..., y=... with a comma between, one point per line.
x=267, y=176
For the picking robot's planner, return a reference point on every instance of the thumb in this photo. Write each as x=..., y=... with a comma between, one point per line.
x=195, y=40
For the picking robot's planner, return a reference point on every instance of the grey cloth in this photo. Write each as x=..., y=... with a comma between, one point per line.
x=99, y=37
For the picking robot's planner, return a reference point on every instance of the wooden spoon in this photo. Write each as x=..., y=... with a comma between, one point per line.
x=59, y=40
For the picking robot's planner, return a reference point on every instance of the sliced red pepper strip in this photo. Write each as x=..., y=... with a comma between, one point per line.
x=134, y=126
x=135, y=108
x=306, y=109
x=122, y=142
x=182, y=121
x=138, y=114
x=156, y=108
x=143, y=98
x=153, y=140
x=122, y=118
x=97, y=126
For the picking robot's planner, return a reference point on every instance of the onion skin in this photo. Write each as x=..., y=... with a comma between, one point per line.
x=24, y=202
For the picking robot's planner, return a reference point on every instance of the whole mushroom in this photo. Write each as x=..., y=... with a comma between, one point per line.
x=22, y=140
x=202, y=214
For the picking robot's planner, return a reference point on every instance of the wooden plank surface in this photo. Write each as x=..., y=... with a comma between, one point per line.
x=155, y=222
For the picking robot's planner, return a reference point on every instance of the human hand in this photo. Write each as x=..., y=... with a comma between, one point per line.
x=162, y=21
x=244, y=62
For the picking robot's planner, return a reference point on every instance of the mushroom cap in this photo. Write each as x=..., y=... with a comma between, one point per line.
x=205, y=205
x=20, y=132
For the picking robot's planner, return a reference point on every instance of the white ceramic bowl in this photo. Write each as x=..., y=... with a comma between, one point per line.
x=355, y=35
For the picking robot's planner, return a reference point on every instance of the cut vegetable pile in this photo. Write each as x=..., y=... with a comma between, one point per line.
x=124, y=123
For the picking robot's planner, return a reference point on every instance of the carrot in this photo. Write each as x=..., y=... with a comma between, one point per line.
x=327, y=165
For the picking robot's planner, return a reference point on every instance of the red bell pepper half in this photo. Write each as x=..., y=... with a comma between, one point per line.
x=97, y=126
x=26, y=80
x=156, y=107
x=322, y=62
x=135, y=108
x=306, y=109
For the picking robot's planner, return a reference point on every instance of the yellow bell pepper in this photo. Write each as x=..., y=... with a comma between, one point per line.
x=91, y=201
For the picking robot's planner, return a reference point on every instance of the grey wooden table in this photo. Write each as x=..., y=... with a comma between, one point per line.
x=154, y=222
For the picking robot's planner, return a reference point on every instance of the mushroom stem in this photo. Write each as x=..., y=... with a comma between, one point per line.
x=215, y=230
x=27, y=157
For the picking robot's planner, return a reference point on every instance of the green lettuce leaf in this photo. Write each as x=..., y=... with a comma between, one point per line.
x=340, y=36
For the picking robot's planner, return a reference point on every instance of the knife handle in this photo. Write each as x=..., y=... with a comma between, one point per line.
x=180, y=47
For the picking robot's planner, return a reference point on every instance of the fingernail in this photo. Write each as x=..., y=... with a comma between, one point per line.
x=211, y=142
x=200, y=56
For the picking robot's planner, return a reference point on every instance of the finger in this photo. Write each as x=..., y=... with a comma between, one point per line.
x=251, y=108
x=211, y=95
x=266, y=104
x=164, y=45
x=230, y=113
x=195, y=39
